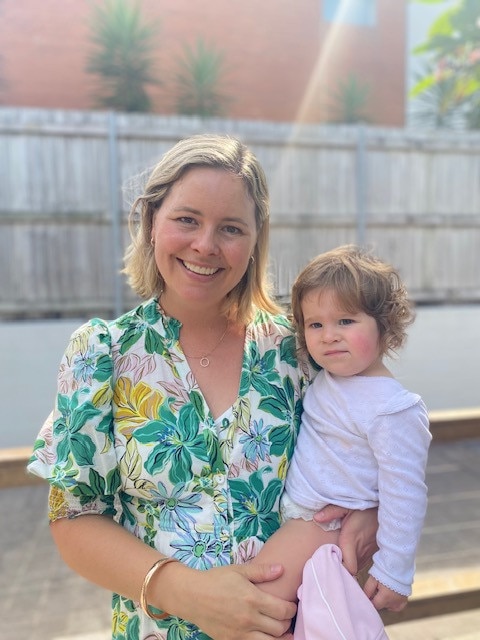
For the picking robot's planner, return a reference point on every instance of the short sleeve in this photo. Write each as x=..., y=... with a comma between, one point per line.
x=74, y=450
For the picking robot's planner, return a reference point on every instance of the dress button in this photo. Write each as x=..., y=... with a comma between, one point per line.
x=219, y=479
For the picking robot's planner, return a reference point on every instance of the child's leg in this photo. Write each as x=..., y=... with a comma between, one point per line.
x=292, y=545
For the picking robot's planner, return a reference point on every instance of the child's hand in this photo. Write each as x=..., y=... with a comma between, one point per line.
x=382, y=597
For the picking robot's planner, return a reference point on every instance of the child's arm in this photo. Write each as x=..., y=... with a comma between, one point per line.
x=291, y=546
x=382, y=597
x=400, y=438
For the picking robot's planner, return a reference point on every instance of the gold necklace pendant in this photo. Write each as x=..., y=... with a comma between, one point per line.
x=204, y=360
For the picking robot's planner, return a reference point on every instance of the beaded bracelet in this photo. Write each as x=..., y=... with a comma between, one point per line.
x=143, y=593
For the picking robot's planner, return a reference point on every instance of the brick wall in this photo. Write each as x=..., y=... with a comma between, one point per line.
x=282, y=61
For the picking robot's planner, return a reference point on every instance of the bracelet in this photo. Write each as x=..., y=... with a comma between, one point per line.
x=143, y=593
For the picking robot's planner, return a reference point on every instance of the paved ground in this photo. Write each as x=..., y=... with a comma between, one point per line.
x=41, y=599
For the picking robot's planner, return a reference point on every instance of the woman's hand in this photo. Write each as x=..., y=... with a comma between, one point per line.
x=357, y=536
x=225, y=603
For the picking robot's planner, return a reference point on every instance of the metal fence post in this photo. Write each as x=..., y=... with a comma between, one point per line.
x=361, y=186
x=115, y=212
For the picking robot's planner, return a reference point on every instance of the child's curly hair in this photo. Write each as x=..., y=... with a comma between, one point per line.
x=361, y=282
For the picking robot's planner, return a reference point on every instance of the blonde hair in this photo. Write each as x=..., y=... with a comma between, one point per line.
x=218, y=152
x=361, y=282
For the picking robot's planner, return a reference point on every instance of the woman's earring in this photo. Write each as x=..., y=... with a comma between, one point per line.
x=252, y=259
x=152, y=242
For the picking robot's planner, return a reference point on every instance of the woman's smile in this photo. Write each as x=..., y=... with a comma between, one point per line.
x=204, y=271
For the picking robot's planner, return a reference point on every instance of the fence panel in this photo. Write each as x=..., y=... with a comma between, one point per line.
x=420, y=200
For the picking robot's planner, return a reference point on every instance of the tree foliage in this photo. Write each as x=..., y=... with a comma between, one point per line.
x=122, y=54
x=350, y=101
x=199, y=77
x=436, y=105
x=453, y=49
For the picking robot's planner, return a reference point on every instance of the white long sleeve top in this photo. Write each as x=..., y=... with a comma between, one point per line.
x=364, y=442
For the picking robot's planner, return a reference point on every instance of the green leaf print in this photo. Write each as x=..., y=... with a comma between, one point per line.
x=197, y=401
x=189, y=422
x=97, y=482
x=214, y=453
x=129, y=338
x=105, y=426
x=268, y=362
x=129, y=606
x=83, y=491
x=181, y=465
x=153, y=431
x=59, y=428
x=288, y=350
x=127, y=513
x=259, y=371
x=63, y=403
x=151, y=313
x=113, y=481
x=275, y=405
x=64, y=474
x=133, y=628
x=82, y=449
x=263, y=386
x=252, y=505
x=63, y=450
x=39, y=444
x=175, y=441
x=153, y=342
x=103, y=368
x=281, y=440
x=269, y=495
x=81, y=415
x=181, y=629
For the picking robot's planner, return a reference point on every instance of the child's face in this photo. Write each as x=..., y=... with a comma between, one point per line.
x=343, y=343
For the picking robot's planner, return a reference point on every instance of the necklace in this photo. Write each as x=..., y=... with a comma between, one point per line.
x=204, y=360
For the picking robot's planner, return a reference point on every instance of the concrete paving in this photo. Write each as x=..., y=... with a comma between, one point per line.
x=41, y=599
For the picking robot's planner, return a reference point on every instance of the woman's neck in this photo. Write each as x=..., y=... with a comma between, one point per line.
x=202, y=318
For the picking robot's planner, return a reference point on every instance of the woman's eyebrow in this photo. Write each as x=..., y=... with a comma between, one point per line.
x=197, y=212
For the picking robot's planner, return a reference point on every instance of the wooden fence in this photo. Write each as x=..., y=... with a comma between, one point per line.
x=413, y=197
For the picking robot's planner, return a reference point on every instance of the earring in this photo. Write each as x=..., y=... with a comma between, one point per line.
x=152, y=242
x=252, y=259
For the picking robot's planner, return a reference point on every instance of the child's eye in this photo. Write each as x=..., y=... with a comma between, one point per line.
x=345, y=321
x=315, y=325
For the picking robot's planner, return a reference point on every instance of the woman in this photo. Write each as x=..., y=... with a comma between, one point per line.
x=174, y=424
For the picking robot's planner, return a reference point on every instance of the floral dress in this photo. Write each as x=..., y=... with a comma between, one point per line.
x=131, y=436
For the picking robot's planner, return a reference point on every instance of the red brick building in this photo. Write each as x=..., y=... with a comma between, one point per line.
x=284, y=57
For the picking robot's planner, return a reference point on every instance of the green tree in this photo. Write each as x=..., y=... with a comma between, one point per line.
x=199, y=77
x=453, y=48
x=350, y=101
x=122, y=55
x=437, y=105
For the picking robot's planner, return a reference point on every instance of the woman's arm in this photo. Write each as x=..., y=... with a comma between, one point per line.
x=224, y=602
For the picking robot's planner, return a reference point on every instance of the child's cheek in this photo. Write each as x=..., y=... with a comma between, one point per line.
x=365, y=346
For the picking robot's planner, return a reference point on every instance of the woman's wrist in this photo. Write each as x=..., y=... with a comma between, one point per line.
x=144, y=593
x=168, y=589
